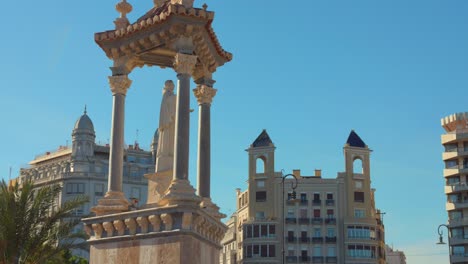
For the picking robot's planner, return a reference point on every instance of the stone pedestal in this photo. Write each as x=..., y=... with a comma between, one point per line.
x=175, y=235
x=158, y=183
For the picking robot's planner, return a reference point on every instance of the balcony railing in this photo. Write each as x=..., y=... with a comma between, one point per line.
x=317, y=220
x=330, y=202
x=330, y=239
x=304, y=220
x=316, y=202
x=330, y=220
x=305, y=240
x=303, y=259
x=291, y=220
x=317, y=239
x=291, y=239
x=304, y=202
x=332, y=260
x=317, y=259
x=291, y=259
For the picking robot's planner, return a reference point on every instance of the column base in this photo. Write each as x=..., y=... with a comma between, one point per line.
x=180, y=192
x=211, y=208
x=158, y=183
x=113, y=202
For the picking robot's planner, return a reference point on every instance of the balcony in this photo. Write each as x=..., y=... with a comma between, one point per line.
x=332, y=260
x=458, y=222
x=304, y=240
x=456, y=205
x=291, y=259
x=317, y=220
x=452, y=137
x=456, y=187
x=330, y=202
x=303, y=259
x=317, y=259
x=459, y=240
x=304, y=202
x=330, y=221
x=290, y=239
x=330, y=239
x=290, y=220
x=316, y=202
x=317, y=239
x=460, y=258
x=304, y=221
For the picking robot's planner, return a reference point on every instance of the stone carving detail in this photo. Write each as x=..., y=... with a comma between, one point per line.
x=167, y=220
x=123, y=8
x=131, y=225
x=186, y=3
x=109, y=227
x=97, y=228
x=155, y=222
x=165, y=151
x=187, y=221
x=204, y=94
x=143, y=223
x=120, y=227
x=119, y=84
x=184, y=63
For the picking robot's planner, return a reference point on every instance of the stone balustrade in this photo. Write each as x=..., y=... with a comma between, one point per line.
x=154, y=222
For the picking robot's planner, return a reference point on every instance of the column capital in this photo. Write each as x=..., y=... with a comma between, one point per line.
x=119, y=84
x=184, y=63
x=204, y=94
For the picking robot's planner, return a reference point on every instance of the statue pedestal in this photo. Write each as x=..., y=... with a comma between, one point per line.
x=176, y=234
x=158, y=183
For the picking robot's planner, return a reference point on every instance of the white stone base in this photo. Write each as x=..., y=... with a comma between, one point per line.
x=180, y=192
x=113, y=202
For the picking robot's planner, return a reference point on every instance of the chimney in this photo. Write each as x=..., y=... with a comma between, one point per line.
x=297, y=173
x=318, y=173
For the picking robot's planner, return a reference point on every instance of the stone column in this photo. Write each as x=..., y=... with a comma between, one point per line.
x=114, y=201
x=180, y=189
x=204, y=95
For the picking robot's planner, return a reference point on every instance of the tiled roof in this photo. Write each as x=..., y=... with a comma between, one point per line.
x=355, y=141
x=263, y=140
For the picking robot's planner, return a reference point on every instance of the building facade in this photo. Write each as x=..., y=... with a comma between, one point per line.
x=329, y=221
x=394, y=256
x=455, y=157
x=82, y=169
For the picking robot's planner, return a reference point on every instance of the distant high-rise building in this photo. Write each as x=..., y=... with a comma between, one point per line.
x=455, y=156
x=82, y=169
x=394, y=256
x=330, y=221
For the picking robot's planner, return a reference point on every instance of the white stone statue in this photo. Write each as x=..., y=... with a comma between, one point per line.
x=165, y=152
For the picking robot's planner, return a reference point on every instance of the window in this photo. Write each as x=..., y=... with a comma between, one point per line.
x=458, y=250
x=256, y=250
x=260, y=184
x=264, y=231
x=263, y=250
x=316, y=196
x=317, y=232
x=256, y=231
x=329, y=196
x=303, y=197
x=330, y=213
x=330, y=232
x=359, y=197
x=331, y=252
x=260, y=163
x=260, y=215
x=75, y=188
x=303, y=213
x=99, y=189
x=271, y=251
x=316, y=213
x=359, y=213
x=455, y=215
x=291, y=213
x=317, y=251
x=271, y=230
x=261, y=196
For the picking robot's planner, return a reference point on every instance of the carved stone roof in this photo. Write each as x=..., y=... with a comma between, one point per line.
x=120, y=41
x=84, y=123
x=263, y=140
x=355, y=141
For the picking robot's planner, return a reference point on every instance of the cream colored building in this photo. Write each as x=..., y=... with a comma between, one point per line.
x=394, y=256
x=82, y=169
x=455, y=156
x=334, y=220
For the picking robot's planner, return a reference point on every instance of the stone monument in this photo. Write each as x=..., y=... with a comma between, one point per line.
x=176, y=225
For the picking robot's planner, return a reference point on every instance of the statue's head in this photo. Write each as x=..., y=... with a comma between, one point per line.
x=169, y=86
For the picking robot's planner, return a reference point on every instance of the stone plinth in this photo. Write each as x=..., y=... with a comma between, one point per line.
x=174, y=234
x=158, y=183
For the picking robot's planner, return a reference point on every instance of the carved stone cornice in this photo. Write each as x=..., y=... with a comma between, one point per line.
x=184, y=63
x=204, y=94
x=119, y=84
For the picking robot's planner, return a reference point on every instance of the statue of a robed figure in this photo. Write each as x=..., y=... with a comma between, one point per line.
x=159, y=181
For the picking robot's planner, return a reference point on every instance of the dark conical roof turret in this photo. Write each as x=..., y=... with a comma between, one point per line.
x=263, y=140
x=355, y=141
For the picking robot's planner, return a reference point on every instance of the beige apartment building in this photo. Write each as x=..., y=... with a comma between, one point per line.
x=332, y=220
x=455, y=157
x=394, y=256
x=83, y=169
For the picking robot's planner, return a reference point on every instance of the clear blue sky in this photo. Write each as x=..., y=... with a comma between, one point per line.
x=307, y=71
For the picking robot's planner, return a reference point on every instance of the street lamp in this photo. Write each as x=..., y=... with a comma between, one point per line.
x=441, y=239
x=291, y=198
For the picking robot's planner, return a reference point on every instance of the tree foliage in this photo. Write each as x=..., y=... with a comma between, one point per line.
x=33, y=227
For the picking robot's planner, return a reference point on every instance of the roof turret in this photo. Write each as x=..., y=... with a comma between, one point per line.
x=84, y=123
x=355, y=141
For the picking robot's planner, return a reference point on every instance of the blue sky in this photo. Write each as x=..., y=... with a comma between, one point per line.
x=307, y=71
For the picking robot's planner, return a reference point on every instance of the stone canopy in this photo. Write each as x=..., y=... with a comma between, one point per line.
x=156, y=37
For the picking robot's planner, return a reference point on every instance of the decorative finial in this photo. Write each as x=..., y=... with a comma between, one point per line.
x=85, y=112
x=205, y=6
x=123, y=8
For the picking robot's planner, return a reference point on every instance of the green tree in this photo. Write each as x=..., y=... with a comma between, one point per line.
x=33, y=228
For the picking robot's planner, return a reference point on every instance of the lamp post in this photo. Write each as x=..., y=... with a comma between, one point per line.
x=293, y=197
x=441, y=239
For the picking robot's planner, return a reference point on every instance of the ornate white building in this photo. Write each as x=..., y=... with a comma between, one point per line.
x=83, y=168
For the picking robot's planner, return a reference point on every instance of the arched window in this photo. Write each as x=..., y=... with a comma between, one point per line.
x=261, y=165
x=357, y=166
